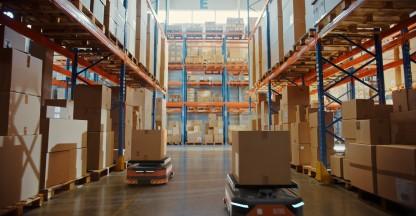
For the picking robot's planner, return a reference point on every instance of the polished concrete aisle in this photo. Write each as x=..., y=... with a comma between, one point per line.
x=197, y=189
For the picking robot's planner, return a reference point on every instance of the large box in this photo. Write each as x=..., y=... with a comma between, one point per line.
x=148, y=145
x=403, y=128
x=299, y=133
x=346, y=168
x=388, y=156
x=373, y=131
x=253, y=152
x=400, y=101
x=295, y=95
x=294, y=25
x=61, y=166
x=97, y=97
x=287, y=114
x=301, y=154
x=58, y=108
x=362, y=154
x=11, y=39
x=100, y=150
x=397, y=189
x=336, y=162
x=19, y=114
x=358, y=109
x=313, y=119
x=21, y=72
x=364, y=178
x=98, y=119
x=20, y=165
x=58, y=132
x=349, y=129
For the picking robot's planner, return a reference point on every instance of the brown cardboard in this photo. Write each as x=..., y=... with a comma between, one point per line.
x=313, y=119
x=358, y=109
x=388, y=156
x=300, y=113
x=59, y=132
x=363, y=178
x=58, y=172
x=314, y=138
x=58, y=108
x=287, y=114
x=411, y=99
x=346, y=168
x=81, y=162
x=373, y=131
x=382, y=111
x=403, y=128
x=299, y=133
x=19, y=114
x=301, y=154
x=148, y=145
x=99, y=120
x=400, y=101
x=397, y=189
x=362, y=154
x=349, y=129
x=336, y=162
x=20, y=165
x=100, y=150
x=21, y=72
x=96, y=97
x=11, y=39
x=295, y=95
x=254, y=151
x=315, y=155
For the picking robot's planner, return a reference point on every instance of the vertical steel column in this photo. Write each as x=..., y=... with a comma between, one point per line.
x=269, y=64
x=321, y=108
x=184, y=92
x=351, y=89
x=155, y=44
x=225, y=93
x=74, y=73
x=380, y=70
x=121, y=105
x=248, y=55
x=68, y=80
x=407, y=66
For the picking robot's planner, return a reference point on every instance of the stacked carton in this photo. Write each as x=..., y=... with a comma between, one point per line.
x=293, y=102
x=365, y=125
x=314, y=136
x=294, y=26
x=148, y=145
x=140, y=34
x=214, y=130
x=194, y=131
x=93, y=103
x=253, y=152
x=174, y=132
x=160, y=113
x=20, y=139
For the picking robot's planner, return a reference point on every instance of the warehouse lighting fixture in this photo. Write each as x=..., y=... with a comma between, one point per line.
x=9, y=14
x=239, y=205
x=297, y=205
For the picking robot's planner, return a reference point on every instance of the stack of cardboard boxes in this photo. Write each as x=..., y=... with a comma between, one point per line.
x=174, y=132
x=20, y=139
x=312, y=118
x=294, y=100
x=214, y=130
x=194, y=131
x=93, y=103
x=254, y=152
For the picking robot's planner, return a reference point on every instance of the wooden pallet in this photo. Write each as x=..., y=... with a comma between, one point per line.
x=23, y=206
x=97, y=174
x=298, y=168
x=309, y=170
x=341, y=181
x=50, y=192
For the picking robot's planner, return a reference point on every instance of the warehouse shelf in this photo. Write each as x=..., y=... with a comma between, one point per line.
x=67, y=73
x=59, y=83
x=70, y=28
x=205, y=110
x=208, y=104
x=173, y=84
x=218, y=68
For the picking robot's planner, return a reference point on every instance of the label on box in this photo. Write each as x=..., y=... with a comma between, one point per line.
x=405, y=191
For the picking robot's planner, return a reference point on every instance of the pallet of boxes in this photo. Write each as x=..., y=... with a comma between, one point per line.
x=380, y=145
x=93, y=104
x=174, y=133
x=20, y=104
x=260, y=165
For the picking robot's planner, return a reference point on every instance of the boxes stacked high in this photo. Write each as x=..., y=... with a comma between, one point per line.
x=194, y=131
x=300, y=143
x=293, y=99
x=20, y=104
x=294, y=26
x=174, y=132
x=314, y=136
x=403, y=119
x=93, y=103
x=253, y=152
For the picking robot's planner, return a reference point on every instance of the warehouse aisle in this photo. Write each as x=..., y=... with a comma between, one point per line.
x=197, y=189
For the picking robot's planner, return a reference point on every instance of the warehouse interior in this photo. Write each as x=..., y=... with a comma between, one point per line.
x=209, y=107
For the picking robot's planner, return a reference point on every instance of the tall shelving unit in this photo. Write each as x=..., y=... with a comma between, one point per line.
x=340, y=51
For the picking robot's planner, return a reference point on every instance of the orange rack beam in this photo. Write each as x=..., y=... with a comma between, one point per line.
x=67, y=73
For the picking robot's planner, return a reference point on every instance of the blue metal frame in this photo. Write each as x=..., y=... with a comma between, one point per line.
x=407, y=66
x=269, y=62
x=68, y=80
x=321, y=107
x=121, y=114
x=155, y=44
x=380, y=68
x=74, y=72
x=248, y=56
x=225, y=91
x=184, y=112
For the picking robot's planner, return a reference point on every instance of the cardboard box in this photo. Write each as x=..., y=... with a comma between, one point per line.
x=388, y=156
x=301, y=154
x=362, y=154
x=400, y=101
x=314, y=138
x=58, y=109
x=20, y=165
x=299, y=133
x=251, y=163
x=403, y=128
x=100, y=150
x=81, y=162
x=96, y=97
x=294, y=24
x=336, y=162
x=19, y=114
x=363, y=178
x=99, y=120
x=59, y=132
x=349, y=129
x=382, y=111
x=295, y=95
x=346, y=168
x=11, y=39
x=21, y=72
x=373, y=131
x=397, y=189
x=61, y=166
x=313, y=119
x=411, y=99
x=315, y=154
x=358, y=109
x=148, y=145
x=287, y=114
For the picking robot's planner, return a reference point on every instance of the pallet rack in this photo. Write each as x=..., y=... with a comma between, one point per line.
x=67, y=28
x=225, y=69
x=327, y=55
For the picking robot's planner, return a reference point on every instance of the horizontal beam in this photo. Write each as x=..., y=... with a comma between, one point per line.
x=209, y=104
x=68, y=73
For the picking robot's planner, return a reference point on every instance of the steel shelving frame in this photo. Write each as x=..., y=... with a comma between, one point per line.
x=340, y=51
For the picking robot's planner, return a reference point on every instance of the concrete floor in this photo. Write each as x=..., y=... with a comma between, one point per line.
x=197, y=189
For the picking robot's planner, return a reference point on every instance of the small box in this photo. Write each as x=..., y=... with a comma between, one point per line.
x=97, y=97
x=148, y=145
x=336, y=162
x=400, y=101
x=358, y=109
